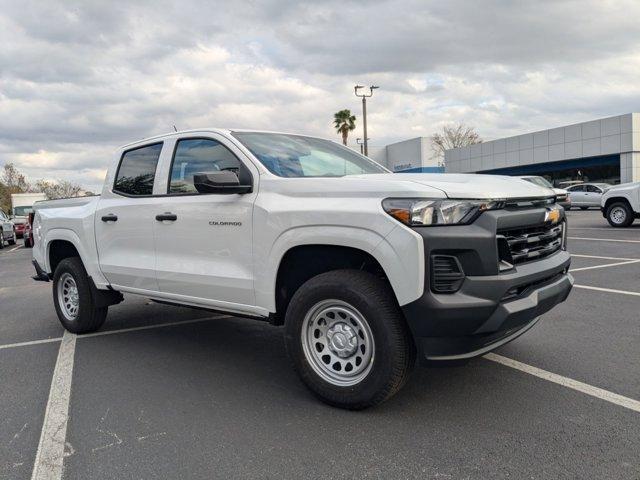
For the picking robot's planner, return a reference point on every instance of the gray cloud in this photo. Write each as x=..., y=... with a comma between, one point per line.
x=79, y=78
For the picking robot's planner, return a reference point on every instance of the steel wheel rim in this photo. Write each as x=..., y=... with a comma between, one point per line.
x=68, y=297
x=338, y=343
x=618, y=215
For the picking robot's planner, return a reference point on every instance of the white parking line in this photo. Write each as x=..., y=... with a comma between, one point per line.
x=608, y=290
x=602, y=258
x=50, y=453
x=604, y=266
x=604, y=239
x=33, y=342
x=596, y=392
x=611, y=229
x=14, y=249
x=573, y=227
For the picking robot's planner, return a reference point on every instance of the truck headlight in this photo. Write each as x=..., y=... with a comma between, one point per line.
x=421, y=212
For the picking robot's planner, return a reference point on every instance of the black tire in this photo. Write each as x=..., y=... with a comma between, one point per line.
x=12, y=240
x=1, y=239
x=88, y=318
x=614, y=220
x=584, y=208
x=394, y=353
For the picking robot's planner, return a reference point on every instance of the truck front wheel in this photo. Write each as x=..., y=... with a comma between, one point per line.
x=619, y=214
x=73, y=299
x=348, y=340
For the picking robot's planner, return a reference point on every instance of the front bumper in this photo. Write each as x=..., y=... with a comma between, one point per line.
x=491, y=307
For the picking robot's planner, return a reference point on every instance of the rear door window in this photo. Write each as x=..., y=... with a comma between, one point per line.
x=593, y=189
x=137, y=170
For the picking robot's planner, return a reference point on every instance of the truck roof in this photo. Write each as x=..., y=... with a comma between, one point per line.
x=222, y=131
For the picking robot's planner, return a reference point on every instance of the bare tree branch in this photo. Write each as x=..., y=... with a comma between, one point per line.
x=59, y=189
x=453, y=136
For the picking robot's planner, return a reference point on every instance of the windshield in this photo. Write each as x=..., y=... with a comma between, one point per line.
x=22, y=211
x=298, y=156
x=541, y=182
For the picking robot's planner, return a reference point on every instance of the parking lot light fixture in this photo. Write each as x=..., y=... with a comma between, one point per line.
x=361, y=143
x=360, y=91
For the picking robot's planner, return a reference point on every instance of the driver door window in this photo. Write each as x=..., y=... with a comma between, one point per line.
x=198, y=155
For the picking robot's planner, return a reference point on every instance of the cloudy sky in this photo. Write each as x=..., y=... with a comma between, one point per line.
x=77, y=79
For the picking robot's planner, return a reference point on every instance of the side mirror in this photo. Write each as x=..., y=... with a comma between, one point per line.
x=224, y=182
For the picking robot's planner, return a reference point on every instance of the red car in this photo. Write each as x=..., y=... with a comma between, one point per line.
x=19, y=229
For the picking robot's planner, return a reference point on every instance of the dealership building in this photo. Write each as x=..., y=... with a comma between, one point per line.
x=413, y=155
x=605, y=150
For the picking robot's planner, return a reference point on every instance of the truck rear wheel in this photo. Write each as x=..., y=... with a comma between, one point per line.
x=73, y=299
x=619, y=214
x=348, y=340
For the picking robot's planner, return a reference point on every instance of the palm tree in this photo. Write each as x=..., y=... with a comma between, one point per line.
x=344, y=123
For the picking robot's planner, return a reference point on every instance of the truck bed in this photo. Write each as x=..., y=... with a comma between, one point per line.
x=65, y=202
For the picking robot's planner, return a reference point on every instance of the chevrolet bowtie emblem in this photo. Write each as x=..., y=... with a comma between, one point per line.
x=552, y=216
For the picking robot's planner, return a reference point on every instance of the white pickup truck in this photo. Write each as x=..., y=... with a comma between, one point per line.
x=367, y=270
x=620, y=204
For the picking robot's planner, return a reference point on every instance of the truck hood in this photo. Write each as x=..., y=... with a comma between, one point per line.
x=469, y=186
x=623, y=187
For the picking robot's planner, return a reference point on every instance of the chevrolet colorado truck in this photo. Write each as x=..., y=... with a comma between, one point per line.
x=366, y=270
x=620, y=204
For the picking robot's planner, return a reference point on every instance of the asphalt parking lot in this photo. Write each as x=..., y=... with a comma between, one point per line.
x=168, y=392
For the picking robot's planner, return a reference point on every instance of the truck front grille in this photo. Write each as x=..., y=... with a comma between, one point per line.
x=530, y=243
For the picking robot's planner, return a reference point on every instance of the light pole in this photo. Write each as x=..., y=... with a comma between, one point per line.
x=364, y=97
x=361, y=144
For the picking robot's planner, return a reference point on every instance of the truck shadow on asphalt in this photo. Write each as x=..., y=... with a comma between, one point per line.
x=226, y=358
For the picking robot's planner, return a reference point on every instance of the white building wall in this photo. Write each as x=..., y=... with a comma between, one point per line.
x=412, y=153
x=404, y=155
x=607, y=136
x=378, y=154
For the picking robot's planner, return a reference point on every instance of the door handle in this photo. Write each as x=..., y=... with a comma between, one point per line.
x=167, y=216
x=110, y=218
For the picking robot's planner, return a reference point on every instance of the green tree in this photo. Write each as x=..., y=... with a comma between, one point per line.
x=344, y=123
